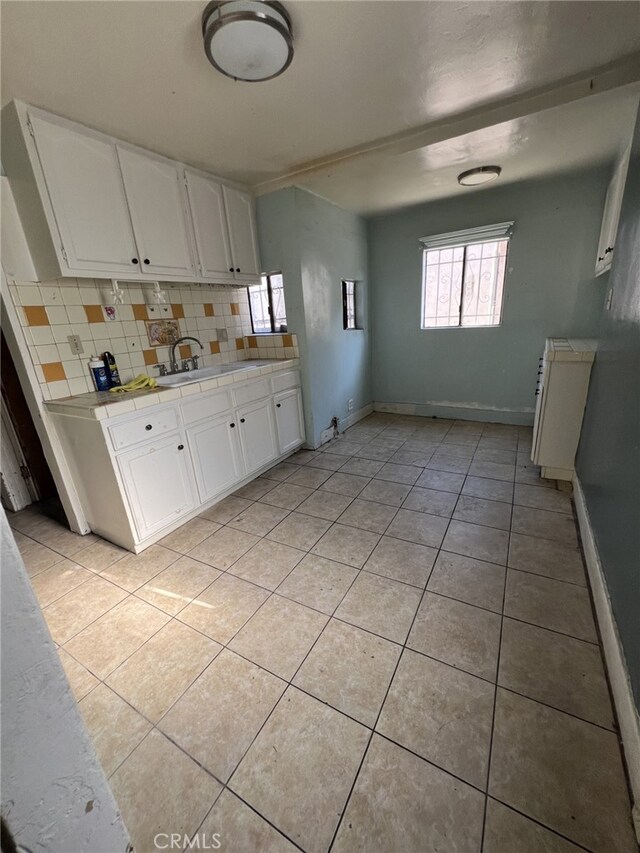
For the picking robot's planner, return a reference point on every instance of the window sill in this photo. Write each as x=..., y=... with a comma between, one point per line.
x=457, y=328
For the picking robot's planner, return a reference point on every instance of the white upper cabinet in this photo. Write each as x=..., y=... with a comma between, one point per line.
x=242, y=233
x=158, y=212
x=94, y=206
x=206, y=200
x=611, y=214
x=85, y=190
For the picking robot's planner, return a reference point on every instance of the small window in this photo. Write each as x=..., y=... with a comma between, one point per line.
x=266, y=302
x=463, y=277
x=349, y=307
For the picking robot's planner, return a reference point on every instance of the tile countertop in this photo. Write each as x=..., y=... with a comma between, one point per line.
x=103, y=404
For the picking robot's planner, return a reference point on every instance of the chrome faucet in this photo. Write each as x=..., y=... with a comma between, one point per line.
x=173, y=364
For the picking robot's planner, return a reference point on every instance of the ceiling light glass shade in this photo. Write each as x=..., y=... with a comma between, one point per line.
x=247, y=39
x=478, y=176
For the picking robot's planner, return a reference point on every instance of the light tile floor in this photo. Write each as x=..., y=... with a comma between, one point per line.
x=384, y=646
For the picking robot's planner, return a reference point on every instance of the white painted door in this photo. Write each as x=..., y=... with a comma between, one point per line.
x=84, y=185
x=289, y=421
x=206, y=201
x=216, y=456
x=257, y=431
x=158, y=483
x=242, y=233
x=158, y=212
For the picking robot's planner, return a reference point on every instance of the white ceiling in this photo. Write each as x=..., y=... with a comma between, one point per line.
x=361, y=71
x=574, y=136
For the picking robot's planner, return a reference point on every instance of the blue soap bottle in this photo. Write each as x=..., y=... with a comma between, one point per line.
x=99, y=374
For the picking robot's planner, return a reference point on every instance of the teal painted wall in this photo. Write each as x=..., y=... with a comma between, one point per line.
x=608, y=462
x=316, y=245
x=550, y=291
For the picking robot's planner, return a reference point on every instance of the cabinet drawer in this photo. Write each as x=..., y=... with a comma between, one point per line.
x=205, y=407
x=143, y=428
x=255, y=391
x=290, y=379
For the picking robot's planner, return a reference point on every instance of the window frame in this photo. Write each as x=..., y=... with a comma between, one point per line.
x=345, y=282
x=500, y=232
x=265, y=278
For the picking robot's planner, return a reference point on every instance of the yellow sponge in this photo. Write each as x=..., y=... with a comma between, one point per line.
x=139, y=383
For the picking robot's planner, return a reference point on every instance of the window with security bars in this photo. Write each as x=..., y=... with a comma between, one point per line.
x=349, y=304
x=463, y=279
x=266, y=302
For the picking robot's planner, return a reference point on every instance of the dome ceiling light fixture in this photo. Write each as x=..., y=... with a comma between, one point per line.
x=248, y=40
x=479, y=175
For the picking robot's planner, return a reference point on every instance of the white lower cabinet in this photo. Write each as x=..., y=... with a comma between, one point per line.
x=158, y=481
x=289, y=420
x=257, y=430
x=140, y=475
x=216, y=456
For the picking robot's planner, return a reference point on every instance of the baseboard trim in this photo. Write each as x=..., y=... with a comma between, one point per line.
x=354, y=417
x=628, y=717
x=344, y=424
x=458, y=411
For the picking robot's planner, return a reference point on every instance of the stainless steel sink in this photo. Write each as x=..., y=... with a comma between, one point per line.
x=188, y=377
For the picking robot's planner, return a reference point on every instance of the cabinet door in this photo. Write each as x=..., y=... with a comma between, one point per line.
x=257, y=434
x=206, y=201
x=611, y=215
x=158, y=483
x=158, y=212
x=242, y=233
x=289, y=422
x=84, y=185
x=216, y=457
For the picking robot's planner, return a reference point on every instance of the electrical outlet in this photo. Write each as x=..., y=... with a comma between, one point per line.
x=158, y=310
x=76, y=344
x=326, y=435
x=349, y=405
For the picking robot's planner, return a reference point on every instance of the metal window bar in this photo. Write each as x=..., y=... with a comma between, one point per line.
x=268, y=312
x=481, y=268
x=349, y=304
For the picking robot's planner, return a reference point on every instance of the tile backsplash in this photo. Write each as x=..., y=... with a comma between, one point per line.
x=52, y=311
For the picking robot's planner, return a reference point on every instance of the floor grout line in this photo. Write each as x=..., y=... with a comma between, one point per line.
x=262, y=537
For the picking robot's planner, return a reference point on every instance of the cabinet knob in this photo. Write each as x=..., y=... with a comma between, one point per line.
x=601, y=258
x=230, y=269
x=278, y=405
x=609, y=249
x=146, y=260
x=237, y=269
x=181, y=447
x=134, y=260
x=241, y=420
x=232, y=426
x=149, y=426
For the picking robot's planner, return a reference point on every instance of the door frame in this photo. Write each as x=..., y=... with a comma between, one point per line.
x=51, y=446
x=18, y=492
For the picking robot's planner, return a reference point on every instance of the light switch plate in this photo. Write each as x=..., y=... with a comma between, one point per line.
x=76, y=344
x=222, y=334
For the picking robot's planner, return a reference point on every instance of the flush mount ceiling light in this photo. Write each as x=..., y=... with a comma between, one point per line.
x=480, y=175
x=247, y=40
